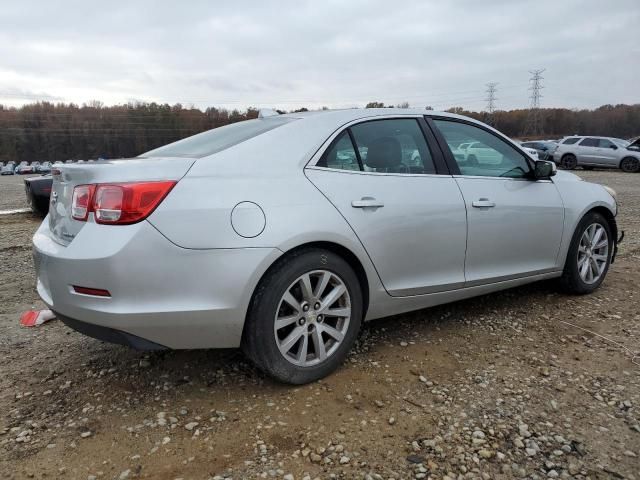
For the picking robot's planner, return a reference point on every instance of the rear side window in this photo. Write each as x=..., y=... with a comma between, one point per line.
x=393, y=146
x=570, y=141
x=589, y=142
x=341, y=154
x=218, y=139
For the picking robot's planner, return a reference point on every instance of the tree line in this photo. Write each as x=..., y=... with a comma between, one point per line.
x=45, y=131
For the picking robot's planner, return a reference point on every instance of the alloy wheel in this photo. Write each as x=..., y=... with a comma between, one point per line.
x=593, y=253
x=569, y=162
x=312, y=318
x=630, y=165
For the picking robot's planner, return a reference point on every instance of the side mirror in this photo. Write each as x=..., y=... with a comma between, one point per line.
x=544, y=170
x=614, y=147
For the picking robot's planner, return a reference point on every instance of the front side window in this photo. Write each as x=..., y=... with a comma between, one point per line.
x=589, y=142
x=393, y=146
x=570, y=141
x=604, y=143
x=486, y=156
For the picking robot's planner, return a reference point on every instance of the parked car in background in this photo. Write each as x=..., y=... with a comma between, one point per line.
x=24, y=169
x=299, y=245
x=44, y=167
x=544, y=148
x=532, y=152
x=38, y=191
x=590, y=152
x=7, y=170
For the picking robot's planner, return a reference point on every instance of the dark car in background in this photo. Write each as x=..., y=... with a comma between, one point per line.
x=545, y=148
x=38, y=191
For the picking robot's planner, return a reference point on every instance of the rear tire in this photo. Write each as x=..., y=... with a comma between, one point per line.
x=296, y=331
x=630, y=165
x=589, y=255
x=569, y=162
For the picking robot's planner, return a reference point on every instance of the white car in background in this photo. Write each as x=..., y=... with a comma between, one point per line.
x=590, y=152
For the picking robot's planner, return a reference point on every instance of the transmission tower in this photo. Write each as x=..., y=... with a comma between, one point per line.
x=491, y=97
x=534, y=118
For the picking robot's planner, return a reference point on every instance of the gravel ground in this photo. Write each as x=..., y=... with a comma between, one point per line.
x=493, y=387
x=12, y=192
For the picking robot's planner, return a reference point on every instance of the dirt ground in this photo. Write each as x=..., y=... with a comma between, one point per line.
x=493, y=387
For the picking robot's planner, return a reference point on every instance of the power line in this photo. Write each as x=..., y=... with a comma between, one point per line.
x=534, y=118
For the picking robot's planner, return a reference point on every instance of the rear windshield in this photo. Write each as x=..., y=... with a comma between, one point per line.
x=218, y=139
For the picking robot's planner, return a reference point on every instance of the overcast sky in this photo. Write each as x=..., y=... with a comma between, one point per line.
x=288, y=54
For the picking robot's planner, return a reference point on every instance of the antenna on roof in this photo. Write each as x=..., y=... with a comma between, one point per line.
x=267, y=112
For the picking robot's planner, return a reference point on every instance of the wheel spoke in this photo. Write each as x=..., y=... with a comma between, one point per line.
x=333, y=332
x=291, y=339
x=282, y=322
x=337, y=312
x=583, y=270
x=318, y=345
x=304, y=347
x=322, y=284
x=601, y=258
x=305, y=286
x=333, y=295
x=602, y=244
x=597, y=235
x=291, y=300
x=595, y=268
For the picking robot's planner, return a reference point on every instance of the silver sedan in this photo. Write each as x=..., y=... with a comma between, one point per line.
x=283, y=234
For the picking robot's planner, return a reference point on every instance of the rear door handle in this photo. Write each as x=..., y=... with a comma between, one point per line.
x=367, y=202
x=483, y=203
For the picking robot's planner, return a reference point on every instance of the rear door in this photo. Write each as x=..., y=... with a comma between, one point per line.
x=514, y=223
x=588, y=151
x=390, y=183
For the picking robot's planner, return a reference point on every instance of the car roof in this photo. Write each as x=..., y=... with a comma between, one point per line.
x=350, y=114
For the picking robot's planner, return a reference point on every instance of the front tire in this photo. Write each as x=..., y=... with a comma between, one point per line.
x=569, y=162
x=304, y=316
x=630, y=165
x=589, y=255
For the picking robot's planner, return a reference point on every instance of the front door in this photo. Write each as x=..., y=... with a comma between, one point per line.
x=514, y=223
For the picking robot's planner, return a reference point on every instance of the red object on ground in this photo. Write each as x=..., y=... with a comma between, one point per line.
x=34, y=318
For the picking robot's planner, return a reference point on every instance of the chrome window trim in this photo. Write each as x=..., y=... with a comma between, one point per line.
x=387, y=174
x=311, y=164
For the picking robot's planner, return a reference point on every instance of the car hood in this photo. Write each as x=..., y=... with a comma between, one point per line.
x=564, y=176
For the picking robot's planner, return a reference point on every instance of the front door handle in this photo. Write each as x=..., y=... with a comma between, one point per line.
x=483, y=203
x=367, y=202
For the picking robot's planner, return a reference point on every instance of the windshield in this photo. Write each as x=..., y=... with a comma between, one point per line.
x=620, y=142
x=218, y=139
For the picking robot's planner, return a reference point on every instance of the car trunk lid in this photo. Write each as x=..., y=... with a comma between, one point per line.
x=66, y=177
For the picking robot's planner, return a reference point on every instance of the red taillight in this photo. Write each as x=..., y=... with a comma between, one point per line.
x=96, y=292
x=123, y=203
x=81, y=201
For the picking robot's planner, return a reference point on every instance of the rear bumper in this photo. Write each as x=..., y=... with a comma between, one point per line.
x=160, y=293
x=109, y=334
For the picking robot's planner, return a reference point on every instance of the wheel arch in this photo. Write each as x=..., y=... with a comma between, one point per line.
x=610, y=217
x=344, y=252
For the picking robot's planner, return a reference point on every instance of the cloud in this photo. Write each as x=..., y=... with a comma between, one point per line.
x=290, y=53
